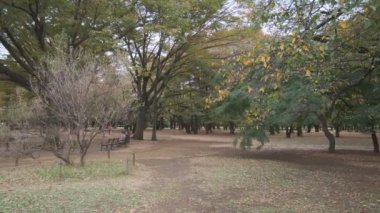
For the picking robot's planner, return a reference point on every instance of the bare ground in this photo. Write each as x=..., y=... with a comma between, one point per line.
x=204, y=173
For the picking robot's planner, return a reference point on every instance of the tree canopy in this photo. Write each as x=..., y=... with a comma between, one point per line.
x=256, y=64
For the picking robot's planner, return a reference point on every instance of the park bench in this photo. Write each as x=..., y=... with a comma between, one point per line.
x=125, y=141
x=106, y=144
x=112, y=143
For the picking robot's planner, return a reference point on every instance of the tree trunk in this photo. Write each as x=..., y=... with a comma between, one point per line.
x=316, y=127
x=134, y=128
x=187, y=128
x=232, y=127
x=66, y=159
x=140, y=124
x=154, y=130
x=271, y=130
x=277, y=129
x=308, y=128
x=337, y=131
x=375, y=142
x=299, y=131
x=327, y=133
x=83, y=151
x=82, y=157
x=288, y=131
x=161, y=123
x=171, y=123
x=208, y=128
x=194, y=124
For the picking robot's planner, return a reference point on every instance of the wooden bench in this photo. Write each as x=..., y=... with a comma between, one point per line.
x=111, y=144
x=126, y=140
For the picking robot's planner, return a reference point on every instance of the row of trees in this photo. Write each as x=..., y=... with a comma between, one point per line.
x=319, y=65
x=257, y=65
x=161, y=38
x=89, y=63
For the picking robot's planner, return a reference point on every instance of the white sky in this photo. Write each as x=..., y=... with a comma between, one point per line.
x=3, y=51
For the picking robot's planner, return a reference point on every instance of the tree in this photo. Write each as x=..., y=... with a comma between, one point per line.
x=184, y=99
x=309, y=52
x=80, y=91
x=164, y=35
x=28, y=28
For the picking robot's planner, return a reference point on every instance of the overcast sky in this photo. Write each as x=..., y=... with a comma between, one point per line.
x=2, y=51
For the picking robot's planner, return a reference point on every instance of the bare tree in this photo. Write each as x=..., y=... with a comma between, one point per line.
x=83, y=94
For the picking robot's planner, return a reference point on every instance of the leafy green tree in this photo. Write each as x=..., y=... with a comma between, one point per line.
x=165, y=36
x=28, y=30
x=312, y=62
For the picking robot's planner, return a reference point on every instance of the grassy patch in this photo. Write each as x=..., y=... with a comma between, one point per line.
x=99, y=196
x=97, y=187
x=92, y=170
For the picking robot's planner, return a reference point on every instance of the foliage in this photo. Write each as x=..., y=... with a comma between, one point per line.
x=163, y=41
x=250, y=132
x=312, y=63
x=27, y=29
x=297, y=62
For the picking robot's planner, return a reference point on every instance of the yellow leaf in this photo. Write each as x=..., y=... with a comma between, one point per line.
x=280, y=54
x=262, y=89
x=222, y=94
x=208, y=102
x=278, y=76
x=282, y=46
x=366, y=10
x=321, y=51
x=305, y=48
x=343, y=24
x=294, y=40
x=250, y=89
x=308, y=71
x=264, y=58
x=341, y=2
x=247, y=62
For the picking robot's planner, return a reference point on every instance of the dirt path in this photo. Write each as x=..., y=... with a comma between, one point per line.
x=177, y=160
x=172, y=167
